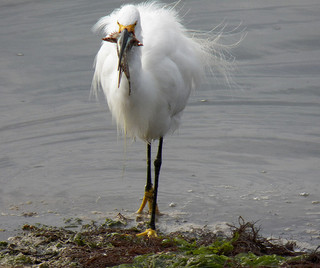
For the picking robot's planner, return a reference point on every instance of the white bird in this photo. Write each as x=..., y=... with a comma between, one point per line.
x=162, y=62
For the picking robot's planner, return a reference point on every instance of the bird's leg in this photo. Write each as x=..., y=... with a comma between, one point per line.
x=148, y=189
x=151, y=232
x=157, y=166
x=149, y=183
x=148, y=192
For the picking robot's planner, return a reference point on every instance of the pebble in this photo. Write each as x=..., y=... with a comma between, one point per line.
x=312, y=231
x=29, y=214
x=172, y=205
x=261, y=198
x=304, y=194
x=96, y=212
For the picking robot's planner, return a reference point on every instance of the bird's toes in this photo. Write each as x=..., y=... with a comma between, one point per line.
x=149, y=232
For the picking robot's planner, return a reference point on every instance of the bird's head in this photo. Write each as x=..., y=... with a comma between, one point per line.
x=128, y=18
x=129, y=24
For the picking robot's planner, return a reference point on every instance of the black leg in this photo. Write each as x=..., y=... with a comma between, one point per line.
x=157, y=166
x=149, y=183
x=148, y=192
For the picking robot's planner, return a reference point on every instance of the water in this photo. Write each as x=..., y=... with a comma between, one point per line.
x=252, y=150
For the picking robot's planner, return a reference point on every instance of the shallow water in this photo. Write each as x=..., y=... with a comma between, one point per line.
x=252, y=150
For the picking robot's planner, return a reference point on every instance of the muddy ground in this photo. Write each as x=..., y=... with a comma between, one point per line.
x=112, y=244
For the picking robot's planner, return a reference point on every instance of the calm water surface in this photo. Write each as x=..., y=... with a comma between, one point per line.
x=251, y=150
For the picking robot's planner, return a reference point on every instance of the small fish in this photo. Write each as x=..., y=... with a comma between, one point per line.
x=125, y=41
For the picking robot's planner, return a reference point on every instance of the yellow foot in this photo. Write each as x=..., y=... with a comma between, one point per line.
x=149, y=232
x=148, y=198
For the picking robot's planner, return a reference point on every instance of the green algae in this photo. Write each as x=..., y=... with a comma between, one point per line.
x=217, y=255
x=112, y=245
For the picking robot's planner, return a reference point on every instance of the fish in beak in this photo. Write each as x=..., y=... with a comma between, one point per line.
x=125, y=40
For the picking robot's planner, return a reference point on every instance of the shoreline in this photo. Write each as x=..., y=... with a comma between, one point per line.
x=115, y=244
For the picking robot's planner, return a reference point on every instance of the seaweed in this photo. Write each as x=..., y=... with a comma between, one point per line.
x=113, y=244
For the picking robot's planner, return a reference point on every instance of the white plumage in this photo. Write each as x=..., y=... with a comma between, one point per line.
x=163, y=71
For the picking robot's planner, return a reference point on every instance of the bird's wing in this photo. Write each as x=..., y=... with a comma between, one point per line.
x=169, y=54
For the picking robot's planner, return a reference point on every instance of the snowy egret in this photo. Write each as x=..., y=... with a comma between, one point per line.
x=162, y=62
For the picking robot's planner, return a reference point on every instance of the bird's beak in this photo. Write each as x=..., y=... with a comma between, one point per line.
x=125, y=40
x=122, y=42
